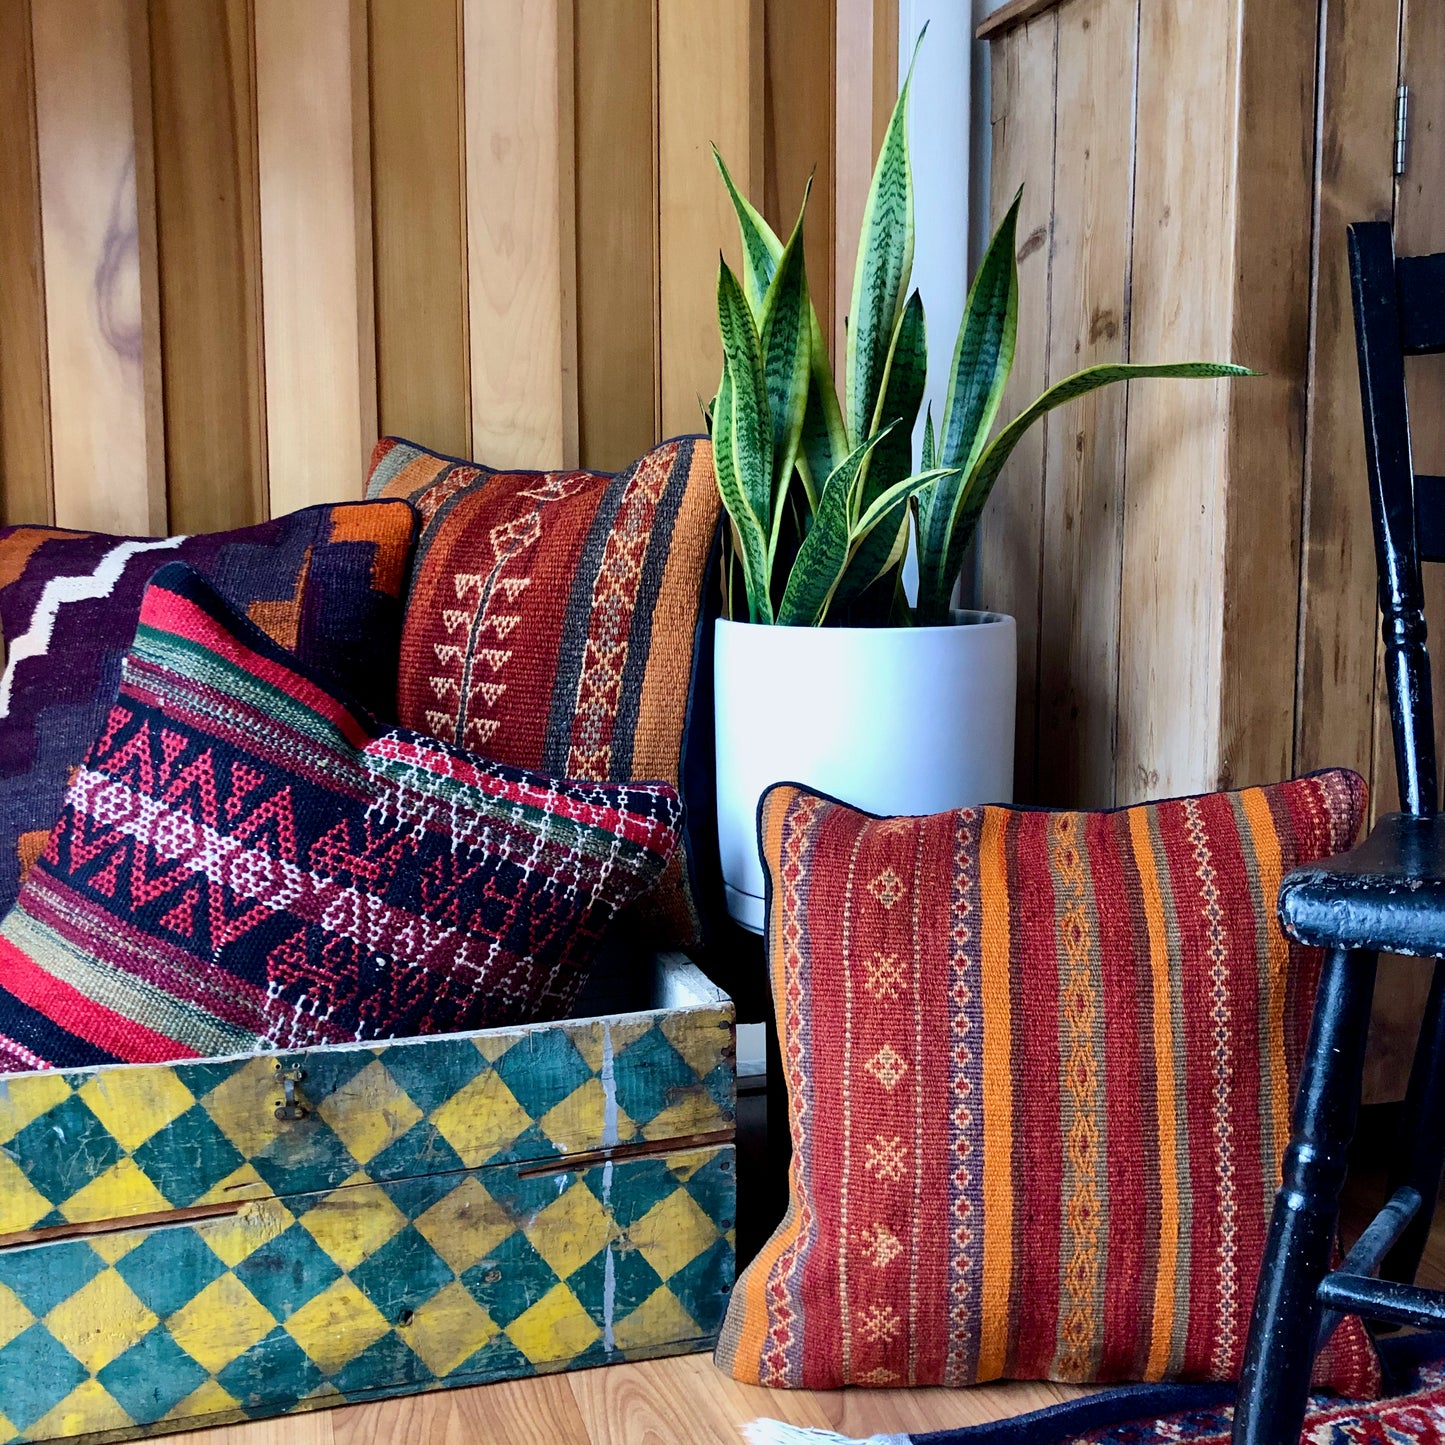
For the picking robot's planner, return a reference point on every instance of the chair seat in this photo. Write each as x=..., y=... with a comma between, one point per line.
x=1387, y=895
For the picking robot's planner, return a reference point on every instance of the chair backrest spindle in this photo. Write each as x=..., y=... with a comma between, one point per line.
x=1400, y=311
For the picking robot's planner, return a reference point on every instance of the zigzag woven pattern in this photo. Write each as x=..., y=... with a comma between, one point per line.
x=324, y=583
x=247, y=862
x=1039, y=1074
x=554, y=622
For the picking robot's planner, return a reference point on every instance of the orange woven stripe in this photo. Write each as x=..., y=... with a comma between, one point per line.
x=662, y=711
x=389, y=528
x=1266, y=852
x=1164, y=1281
x=998, y=1141
x=747, y=1353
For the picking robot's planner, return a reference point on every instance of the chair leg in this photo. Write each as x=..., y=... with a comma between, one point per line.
x=1419, y=1159
x=1274, y=1385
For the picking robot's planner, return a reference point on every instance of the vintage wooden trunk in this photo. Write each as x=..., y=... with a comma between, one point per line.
x=201, y=1243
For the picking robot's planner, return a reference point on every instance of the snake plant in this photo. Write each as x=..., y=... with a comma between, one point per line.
x=821, y=495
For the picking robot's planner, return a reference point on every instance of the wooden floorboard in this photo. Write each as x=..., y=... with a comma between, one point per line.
x=664, y=1402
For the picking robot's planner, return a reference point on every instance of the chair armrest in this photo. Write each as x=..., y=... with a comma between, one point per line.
x=1388, y=894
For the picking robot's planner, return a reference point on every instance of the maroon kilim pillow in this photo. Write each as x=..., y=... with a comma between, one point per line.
x=1039, y=1071
x=247, y=861
x=555, y=621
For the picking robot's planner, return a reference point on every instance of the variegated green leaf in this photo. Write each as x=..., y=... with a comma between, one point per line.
x=939, y=571
x=824, y=441
x=928, y=448
x=880, y=280
x=761, y=247
x=982, y=360
x=983, y=353
x=748, y=540
x=786, y=349
x=752, y=433
x=825, y=550
x=892, y=459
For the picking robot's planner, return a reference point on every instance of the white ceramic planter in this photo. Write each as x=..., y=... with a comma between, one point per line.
x=891, y=719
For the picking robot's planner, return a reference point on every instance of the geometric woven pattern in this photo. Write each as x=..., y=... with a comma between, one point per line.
x=246, y=861
x=1039, y=1071
x=555, y=620
x=324, y=583
x=426, y=1222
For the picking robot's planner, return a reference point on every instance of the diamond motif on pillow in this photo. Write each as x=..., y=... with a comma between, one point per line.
x=247, y=861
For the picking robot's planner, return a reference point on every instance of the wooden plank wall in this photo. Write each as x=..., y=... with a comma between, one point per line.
x=1192, y=564
x=1155, y=165
x=243, y=237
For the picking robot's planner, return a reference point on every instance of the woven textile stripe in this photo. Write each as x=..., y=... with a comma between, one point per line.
x=245, y=861
x=1039, y=1068
x=325, y=583
x=554, y=621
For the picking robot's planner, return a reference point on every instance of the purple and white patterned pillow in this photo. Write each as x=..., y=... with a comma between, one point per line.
x=247, y=861
x=325, y=583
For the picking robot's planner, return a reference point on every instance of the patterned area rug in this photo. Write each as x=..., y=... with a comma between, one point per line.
x=1412, y=1414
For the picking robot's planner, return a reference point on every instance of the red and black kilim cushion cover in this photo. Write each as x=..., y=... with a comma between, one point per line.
x=247, y=861
x=1039, y=1073
x=326, y=583
x=555, y=621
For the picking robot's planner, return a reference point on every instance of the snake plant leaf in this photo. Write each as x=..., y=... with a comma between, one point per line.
x=982, y=359
x=983, y=354
x=938, y=571
x=748, y=539
x=752, y=435
x=824, y=553
x=761, y=246
x=928, y=445
x=787, y=354
x=892, y=459
x=833, y=541
x=824, y=440
x=885, y=262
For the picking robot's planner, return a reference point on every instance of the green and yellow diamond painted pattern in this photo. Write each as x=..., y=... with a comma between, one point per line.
x=445, y=1211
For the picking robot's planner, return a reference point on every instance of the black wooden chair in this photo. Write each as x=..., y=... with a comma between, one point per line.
x=1387, y=896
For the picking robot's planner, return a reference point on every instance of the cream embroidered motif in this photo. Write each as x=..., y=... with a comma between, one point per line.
x=885, y=976
x=888, y=1066
x=887, y=1158
x=879, y=1323
x=887, y=888
x=880, y=1245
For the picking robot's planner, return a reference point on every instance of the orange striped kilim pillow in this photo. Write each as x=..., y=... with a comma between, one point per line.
x=1039, y=1072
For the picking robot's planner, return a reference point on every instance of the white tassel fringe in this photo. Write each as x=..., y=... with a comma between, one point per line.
x=778, y=1432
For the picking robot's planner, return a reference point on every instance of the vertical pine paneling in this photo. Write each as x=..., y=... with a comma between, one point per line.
x=207, y=210
x=1009, y=534
x=419, y=222
x=1419, y=228
x=616, y=230
x=24, y=391
x=1265, y=421
x=100, y=275
x=1084, y=448
x=1170, y=638
x=709, y=92
x=517, y=70
x=1334, y=707
x=798, y=135
x=315, y=248
x=854, y=150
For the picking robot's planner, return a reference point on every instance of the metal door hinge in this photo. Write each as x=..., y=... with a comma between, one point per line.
x=1402, y=127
